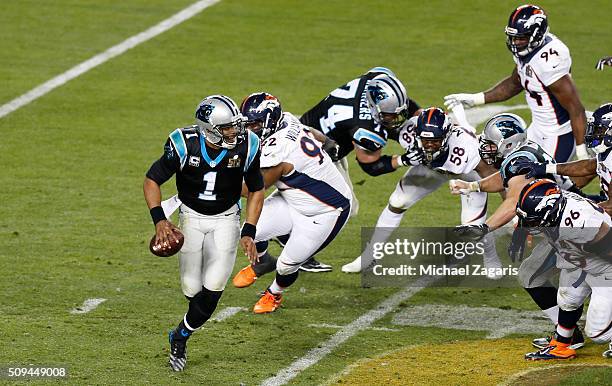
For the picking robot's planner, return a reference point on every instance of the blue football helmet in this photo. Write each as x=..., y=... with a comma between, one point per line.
x=540, y=204
x=502, y=134
x=220, y=121
x=432, y=129
x=263, y=113
x=599, y=129
x=387, y=100
x=526, y=30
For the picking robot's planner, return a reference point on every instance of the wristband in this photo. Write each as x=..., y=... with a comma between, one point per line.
x=400, y=162
x=581, y=152
x=479, y=99
x=157, y=214
x=474, y=186
x=248, y=230
x=551, y=168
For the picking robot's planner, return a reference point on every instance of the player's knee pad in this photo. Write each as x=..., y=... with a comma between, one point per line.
x=569, y=299
x=399, y=200
x=284, y=268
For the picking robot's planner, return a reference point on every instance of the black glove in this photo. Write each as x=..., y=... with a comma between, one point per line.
x=412, y=157
x=604, y=62
x=534, y=169
x=516, y=249
x=332, y=148
x=472, y=232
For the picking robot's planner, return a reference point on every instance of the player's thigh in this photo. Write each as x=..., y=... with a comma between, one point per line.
x=220, y=246
x=538, y=268
x=599, y=316
x=309, y=234
x=274, y=220
x=416, y=183
x=573, y=289
x=190, y=256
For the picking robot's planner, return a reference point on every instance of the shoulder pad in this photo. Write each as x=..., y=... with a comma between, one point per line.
x=177, y=137
x=253, y=144
x=370, y=140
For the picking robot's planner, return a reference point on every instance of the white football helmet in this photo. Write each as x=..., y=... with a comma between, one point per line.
x=387, y=100
x=220, y=121
x=503, y=134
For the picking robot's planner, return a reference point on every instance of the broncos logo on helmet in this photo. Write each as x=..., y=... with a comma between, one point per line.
x=526, y=29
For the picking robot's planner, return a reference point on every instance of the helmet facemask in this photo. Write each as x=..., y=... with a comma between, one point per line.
x=599, y=129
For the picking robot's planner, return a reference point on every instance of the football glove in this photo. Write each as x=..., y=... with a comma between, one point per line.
x=467, y=100
x=412, y=157
x=604, y=62
x=516, y=249
x=534, y=169
x=472, y=232
x=332, y=148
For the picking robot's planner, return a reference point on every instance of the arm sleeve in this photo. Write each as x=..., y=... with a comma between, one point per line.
x=165, y=167
x=253, y=178
x=412, y=107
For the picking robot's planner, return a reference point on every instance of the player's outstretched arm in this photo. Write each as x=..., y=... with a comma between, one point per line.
x=566, y=93
x=505, y=89
x=506, y=211
x=491, y=184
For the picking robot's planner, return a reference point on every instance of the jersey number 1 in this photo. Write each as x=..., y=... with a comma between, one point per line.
x=209, y=186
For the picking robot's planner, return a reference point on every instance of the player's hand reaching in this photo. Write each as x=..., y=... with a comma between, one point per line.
x=165, y=233
x=607, y=61
x=471, y=231
x=467, y=100
x=534, y=169
x=332, y=148
x=463, y=187
x=412, y=157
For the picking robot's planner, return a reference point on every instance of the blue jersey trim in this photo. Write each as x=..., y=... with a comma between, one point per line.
x=212, y=163
x=363, y=133
x=253, y=148
x=317, y=189
x=176, y=137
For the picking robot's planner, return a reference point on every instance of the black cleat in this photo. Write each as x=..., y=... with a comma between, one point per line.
x=313, y=265
x=178, y=352
x=577, y=341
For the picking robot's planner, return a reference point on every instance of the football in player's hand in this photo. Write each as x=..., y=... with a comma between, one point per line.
x=168, y=249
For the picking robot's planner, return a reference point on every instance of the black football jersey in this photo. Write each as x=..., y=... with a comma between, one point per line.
x=208, y=180
x=345, y=117
x=530, y=151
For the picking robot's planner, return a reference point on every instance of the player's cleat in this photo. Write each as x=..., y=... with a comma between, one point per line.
x=576, y=343
x=353, y=267
x=267, y=303
x=313, y=265
x=245, y=277
x=608, y=352
x=555, y=350
x=178, y=352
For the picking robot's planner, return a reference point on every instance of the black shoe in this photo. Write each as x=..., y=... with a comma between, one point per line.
x=577, y=340
x=314, y=266
x=178, y=352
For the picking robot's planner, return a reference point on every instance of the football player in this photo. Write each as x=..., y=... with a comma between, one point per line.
x=598, y=138
x=579, y=231
x=449, y=150
x=311, y=205
x=503, y=144
x=543, y=65
x=362, y=115
x=210, y=160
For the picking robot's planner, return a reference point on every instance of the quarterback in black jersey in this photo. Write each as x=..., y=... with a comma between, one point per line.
x=210, y=161
x=362, y=115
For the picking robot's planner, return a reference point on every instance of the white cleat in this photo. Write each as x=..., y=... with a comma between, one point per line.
x=353, y=267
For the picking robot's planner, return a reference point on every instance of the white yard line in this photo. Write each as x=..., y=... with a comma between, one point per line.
x=361, y=323
x=227, y=312
x=337, y=326
x=88, y=305
x=101, y=58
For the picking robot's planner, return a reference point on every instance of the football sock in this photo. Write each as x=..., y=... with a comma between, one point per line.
x=201, y=308
x=546, y=299
x=567, y=324
x=266, y=263
x=183, y=331
x=281, y=282
x=282, y=240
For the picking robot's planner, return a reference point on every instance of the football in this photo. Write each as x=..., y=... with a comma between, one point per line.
x=169, y=249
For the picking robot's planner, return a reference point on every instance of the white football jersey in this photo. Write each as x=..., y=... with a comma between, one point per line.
x=461, y=156
x=604, y=171
x=580, y=222
x=537, y=71
x=315, y=185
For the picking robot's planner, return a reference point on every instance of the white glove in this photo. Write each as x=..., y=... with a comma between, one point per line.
x=467, y=100
x=460, y=118
x=463, y=187
x=581, y=152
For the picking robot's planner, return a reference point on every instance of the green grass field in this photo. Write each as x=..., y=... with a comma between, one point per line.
x=74, y=224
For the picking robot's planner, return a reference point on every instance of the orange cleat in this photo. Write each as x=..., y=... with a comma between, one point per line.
x=267, y=303
x=245, y=277
x=555, y=350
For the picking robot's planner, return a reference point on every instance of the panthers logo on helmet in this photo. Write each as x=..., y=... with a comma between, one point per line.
x=508, y=128
x=377, y=93
x=203, y=113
